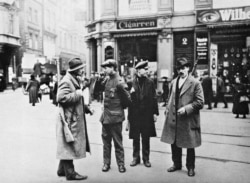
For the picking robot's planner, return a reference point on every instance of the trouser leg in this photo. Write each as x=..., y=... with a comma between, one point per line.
x=145, y=148
x=176, y=155
x=68, y=167
x=224, y=100
x=136, y=149
x=190, y=160
x=106, y=139
x=116, y=131
x=60, y=170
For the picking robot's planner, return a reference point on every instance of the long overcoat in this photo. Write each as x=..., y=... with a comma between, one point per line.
x=141, y=111
x=207, y=89
x=33, y=87
x=184, y=130
x=74, y=111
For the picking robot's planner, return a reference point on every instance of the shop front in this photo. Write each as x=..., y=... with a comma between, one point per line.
x=229, y=38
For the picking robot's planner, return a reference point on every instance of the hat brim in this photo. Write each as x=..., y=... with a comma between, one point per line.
x=78, y=67
x=180, y=66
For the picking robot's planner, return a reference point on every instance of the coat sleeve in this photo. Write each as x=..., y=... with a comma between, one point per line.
x=124, y=94
x=155, y=103
x=66, y=95
x=198, y=100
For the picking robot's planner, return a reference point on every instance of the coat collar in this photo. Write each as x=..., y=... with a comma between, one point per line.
x=73, y=80
x=185, y=86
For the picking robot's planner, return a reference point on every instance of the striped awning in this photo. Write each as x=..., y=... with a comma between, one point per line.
x=135, y=34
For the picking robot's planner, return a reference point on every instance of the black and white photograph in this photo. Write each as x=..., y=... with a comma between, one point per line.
x=125, y=91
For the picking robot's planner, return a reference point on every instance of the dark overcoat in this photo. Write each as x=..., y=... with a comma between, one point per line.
x=207, y=89
x=74, y=111
x=185, y=129
x=33, y=87
x=141, y=111
x=239, y=107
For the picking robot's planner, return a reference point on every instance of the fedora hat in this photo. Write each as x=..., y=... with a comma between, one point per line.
x=181, y=62
x=75, y=64
x=109, y=63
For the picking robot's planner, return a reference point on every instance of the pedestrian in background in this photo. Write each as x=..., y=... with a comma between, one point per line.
x=182, y=123
x=240, y=99
x=71, y=101
x=113, y=115
x=206, y=83
x=142, y=114
x=37, y=69
x=165, y=89
x=220, y=91
x=33, y=88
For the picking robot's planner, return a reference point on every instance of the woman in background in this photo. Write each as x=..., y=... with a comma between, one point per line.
x=240, y=106
x=33, y=87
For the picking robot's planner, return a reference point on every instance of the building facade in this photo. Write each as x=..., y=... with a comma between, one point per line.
x=9, y=41
x=161, y=31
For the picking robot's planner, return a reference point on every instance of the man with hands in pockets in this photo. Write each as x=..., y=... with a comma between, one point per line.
x=142, y=114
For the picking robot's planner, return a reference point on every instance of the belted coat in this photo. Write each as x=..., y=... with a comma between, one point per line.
x=185, y=130
x=74, y=109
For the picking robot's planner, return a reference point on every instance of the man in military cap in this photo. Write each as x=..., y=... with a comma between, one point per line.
x=113, y=115
x=142, y=114
x=182, y=124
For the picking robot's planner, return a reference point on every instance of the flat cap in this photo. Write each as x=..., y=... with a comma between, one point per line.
x=142, y=64
x=109, y=63
x=181, y=62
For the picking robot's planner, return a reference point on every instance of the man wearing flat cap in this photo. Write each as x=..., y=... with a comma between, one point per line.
x=182, y=123
x=142, y=114
x=72, y=108
x=115, y=96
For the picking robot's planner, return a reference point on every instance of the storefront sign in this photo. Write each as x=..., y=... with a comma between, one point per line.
x=202, y=48
x=223, y=15
x=136, y=24
x=184, y=45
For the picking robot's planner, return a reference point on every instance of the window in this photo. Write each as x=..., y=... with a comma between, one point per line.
x=30, y=14
x=36, y=17
x=30, y=40
x=183, y=5
x=36, y=42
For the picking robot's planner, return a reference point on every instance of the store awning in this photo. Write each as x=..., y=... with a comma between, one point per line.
x=136, y=34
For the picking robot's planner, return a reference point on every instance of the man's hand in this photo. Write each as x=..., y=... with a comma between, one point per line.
x=132, y=90
x=181, y=111
x=155, y=117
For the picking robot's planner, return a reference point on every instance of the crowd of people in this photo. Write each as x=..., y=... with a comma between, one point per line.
x=183, y=98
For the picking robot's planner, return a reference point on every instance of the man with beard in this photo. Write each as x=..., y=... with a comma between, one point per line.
x=182, y=123
x=142, y=114
x=72, y=113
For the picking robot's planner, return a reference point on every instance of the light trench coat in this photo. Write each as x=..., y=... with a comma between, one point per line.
x=184, y=130
x=74, y=111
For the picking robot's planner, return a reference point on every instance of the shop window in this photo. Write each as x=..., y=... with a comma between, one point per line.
x=109, y=53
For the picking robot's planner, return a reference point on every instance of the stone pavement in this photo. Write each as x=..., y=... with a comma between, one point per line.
x=28, y=146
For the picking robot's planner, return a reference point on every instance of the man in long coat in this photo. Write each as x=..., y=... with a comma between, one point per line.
x=207, y=89
x=182, y=124
x=70, y=99
x=142, y=114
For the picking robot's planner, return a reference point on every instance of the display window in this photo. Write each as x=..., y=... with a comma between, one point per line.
x=233, y=58
x=132, y=50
